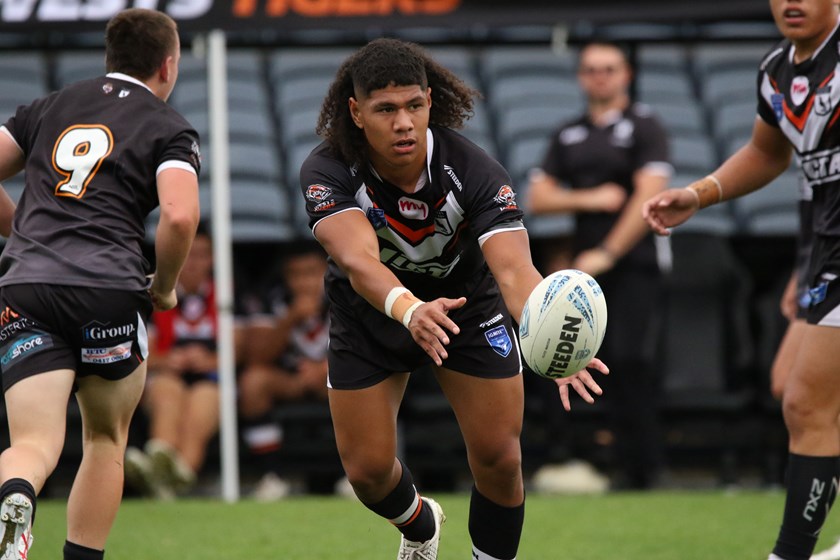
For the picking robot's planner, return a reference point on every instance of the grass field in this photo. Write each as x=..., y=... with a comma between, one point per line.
x=632, y=526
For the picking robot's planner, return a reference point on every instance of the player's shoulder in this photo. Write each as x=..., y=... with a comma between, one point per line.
x=774, y=56
x=323, y=164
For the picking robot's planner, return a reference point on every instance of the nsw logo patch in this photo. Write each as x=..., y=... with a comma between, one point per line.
x=499, y=340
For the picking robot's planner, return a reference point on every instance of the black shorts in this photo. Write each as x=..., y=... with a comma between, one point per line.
x=824, y=282
x=366, y=346
x=91, y=331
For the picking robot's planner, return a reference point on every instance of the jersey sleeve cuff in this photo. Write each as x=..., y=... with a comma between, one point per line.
x=6, y=131
x=175, y=164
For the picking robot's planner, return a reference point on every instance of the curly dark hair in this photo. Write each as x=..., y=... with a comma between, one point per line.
x=377, y=65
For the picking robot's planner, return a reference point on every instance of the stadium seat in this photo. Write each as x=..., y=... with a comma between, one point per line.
x=674, y=86
x=527, y=89
x=692, y=153
x=661, y=58
x=259, y=213
x=296, y=63
x=733, y=122
x=772, y=210
x=293, y=95
x=706, y=344
x=503, y=61
x=73, y=66
x=523, y=155
x=678, y=117
x=532, y=120
x=712, y=57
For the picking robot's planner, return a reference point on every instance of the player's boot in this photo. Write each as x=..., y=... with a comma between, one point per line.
x=428, y=550
x=16, y=526
x=832, y=553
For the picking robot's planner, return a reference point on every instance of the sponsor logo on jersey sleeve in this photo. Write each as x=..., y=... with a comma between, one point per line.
x=506, y=198
x=499, y=340
x=319, y=196
x=107, y=355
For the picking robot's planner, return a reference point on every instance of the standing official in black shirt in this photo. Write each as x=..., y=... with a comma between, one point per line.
x=602, y=167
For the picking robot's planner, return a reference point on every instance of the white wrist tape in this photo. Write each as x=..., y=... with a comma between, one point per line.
x=409, y=312
x=716, y=181
x=392, y=297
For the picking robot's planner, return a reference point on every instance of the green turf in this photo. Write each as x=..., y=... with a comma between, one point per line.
x=633, y=526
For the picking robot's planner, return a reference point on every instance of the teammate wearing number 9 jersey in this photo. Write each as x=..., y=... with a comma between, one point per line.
x=99, y=155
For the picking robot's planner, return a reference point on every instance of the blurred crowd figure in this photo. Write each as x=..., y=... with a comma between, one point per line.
x=601, y=167
x=286, y=361
x=181, y=400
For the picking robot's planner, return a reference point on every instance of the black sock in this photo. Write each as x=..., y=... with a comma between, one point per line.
x=405, y=510
x=73, y=551
x=19, y=486
x=811, y=489
x=495, y=530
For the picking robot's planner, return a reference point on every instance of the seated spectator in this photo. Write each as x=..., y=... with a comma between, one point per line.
x=286, y=361
x=182, y=394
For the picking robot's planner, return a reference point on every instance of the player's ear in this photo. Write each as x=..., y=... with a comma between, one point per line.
x=165, y=71
x=429, y=96
x=355, y=111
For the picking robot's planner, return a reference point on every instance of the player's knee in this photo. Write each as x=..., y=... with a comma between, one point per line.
x=801, y=415
x=369, y=476
x=500, y=457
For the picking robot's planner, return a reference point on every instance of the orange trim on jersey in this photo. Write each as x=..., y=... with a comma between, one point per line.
x=415, y=236
x=76, y=152
x=800, y=121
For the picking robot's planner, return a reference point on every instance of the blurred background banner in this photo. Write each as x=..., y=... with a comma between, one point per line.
x=202, y=15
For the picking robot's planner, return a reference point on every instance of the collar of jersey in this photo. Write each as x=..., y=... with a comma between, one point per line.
x=127, y=78
x=792, y=52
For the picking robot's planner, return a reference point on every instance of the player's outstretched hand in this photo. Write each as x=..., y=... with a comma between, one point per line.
x=670, y=208
x=582, y=382
x=429, y=324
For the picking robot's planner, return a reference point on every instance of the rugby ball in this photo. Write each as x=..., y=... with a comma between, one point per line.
x=563, y=324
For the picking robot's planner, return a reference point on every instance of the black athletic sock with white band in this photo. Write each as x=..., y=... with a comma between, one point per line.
x=73, y=551
x=811, y=488
x=495, y=530
x=404, y=508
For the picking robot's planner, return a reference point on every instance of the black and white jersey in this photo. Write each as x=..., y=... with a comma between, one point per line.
x=93, y=151
x=803, y=101
x=583, y=155
x=429, y=238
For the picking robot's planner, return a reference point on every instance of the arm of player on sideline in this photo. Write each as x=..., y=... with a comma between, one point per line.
x=11, y=163
x=179, y=214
